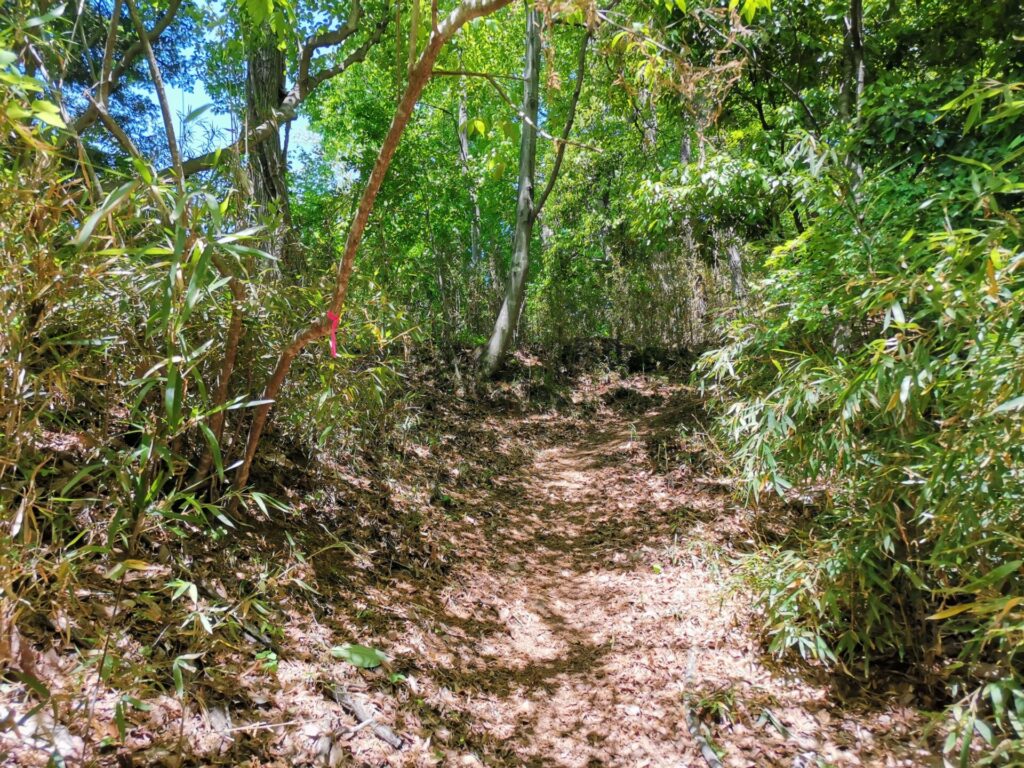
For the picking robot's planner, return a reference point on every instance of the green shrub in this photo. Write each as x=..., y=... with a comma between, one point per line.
x=884, y=377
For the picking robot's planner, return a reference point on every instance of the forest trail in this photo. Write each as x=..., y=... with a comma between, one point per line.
x=596, y=604
x=590, y=613
x=553, y=577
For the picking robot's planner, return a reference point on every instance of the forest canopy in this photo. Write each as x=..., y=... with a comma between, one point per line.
x=234, y=231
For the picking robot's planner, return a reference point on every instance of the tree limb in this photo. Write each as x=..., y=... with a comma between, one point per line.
x=91, y=114
x=465, y=12
x=581, y=64
x=108, y=54
x=473, y=73
x=161, y=93
x=114, y=129
x=772, y=74
x=356, y=56
x=334, y=37
x=288, y=110
x=492, y=79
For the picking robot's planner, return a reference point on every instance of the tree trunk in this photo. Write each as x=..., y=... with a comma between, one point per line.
x=685, y=148
x=515, y=287
x=649, y=124
x=739, y=289
x=854, y=69
x=476, y=251
x=414, y=31
x=851, y=89
x=465, y=12
x=265, y=89
x=227, y=368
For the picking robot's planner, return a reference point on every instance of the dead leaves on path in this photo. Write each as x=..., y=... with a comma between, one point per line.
x=548, y=588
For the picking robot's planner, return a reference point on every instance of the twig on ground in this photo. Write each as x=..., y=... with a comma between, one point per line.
x=363, y=714
x=264, y=726
x=350, y=731
x=692, y=723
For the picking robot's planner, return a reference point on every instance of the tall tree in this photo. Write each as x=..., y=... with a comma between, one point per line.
x=515, y=285
x=476, y=251
x=264, y=92
x=528, y=208
x=271, y=107
x=851, y=87
x=440, y=34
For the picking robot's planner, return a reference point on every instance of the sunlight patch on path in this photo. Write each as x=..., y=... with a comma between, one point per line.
x=584, y=586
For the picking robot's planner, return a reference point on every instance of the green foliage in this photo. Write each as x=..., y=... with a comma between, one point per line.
x=873, y=374
x=119, y=295
x=361, y=656
x=883, y=376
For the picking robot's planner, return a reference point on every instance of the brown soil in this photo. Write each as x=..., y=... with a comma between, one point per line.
x=568, y=603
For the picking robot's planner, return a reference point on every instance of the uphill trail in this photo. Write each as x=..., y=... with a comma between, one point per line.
x=591, y=616
x=556, y=578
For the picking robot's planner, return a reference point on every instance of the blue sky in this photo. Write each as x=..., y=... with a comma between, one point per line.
x=184, y=102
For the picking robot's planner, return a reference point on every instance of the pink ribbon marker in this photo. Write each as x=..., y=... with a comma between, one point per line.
x=334, y=332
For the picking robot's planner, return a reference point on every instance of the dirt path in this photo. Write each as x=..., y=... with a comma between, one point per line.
x=545, y=594
x=589, y=611
x=598, y=619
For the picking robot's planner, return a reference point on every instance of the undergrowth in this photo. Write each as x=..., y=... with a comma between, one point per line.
x=882, y=379
x=124, y=305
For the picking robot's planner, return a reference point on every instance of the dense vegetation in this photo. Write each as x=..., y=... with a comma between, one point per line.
x=822, y=200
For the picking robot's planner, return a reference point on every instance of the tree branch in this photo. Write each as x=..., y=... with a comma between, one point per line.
x=473, y=73
x=287, y=112
x=108, y=54
x=770, y=73
x=334, y=37
x=581, y=64
x=91, y=114
x=161, y=93
x=465, y=12
x=114, y=129
x=492, y=79
x=359, y=54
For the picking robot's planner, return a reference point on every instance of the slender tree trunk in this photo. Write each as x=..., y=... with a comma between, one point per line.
x=476, y=251
x=739, y=288
x=529, y=206
x=265, y=89
x=414, y=32
x=223, y=388
x=699, y=310
x=463, y=13
x=854, y=68
x=515, y=287
x=685, y=148
x=851, y=88
x=650, y=123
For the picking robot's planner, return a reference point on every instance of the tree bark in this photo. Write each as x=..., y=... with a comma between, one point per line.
x=231, y=343
x=851, y=88
x=475, y=252
x=463, y=13
x=528, y=208
x=161, y=93
x=739, y=289
x=414, y=32
x=685, y=148
x=854, y=68
x=268, y=166
x=306, y=83
x=515, y=287
x=111, y=75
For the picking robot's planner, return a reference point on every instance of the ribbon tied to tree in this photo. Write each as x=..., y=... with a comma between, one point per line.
x=334, y=332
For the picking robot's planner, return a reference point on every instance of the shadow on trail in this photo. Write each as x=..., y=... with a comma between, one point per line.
x=553, y=594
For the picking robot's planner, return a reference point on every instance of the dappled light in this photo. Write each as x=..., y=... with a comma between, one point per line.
x=565, y=383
